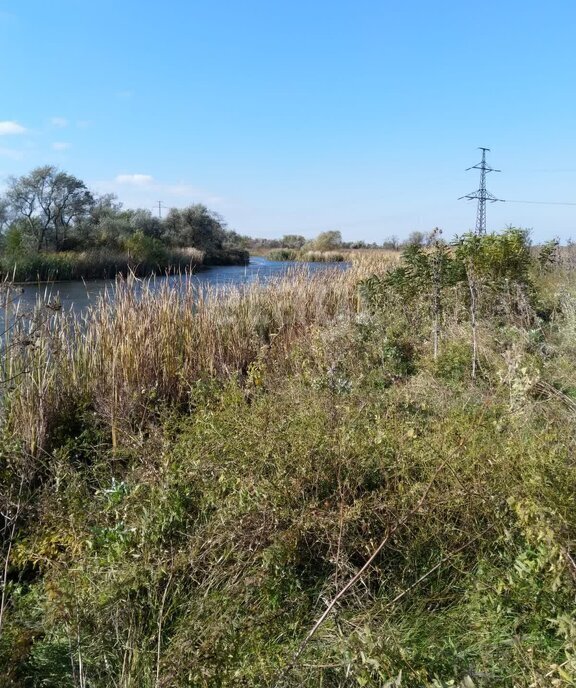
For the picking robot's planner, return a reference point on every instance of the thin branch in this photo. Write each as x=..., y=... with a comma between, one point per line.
x=438, y=565
x=357, y=576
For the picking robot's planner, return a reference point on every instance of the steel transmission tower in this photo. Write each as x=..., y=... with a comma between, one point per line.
x=482, y=195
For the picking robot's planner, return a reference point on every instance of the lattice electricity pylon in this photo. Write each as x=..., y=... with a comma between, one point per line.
x=482, y=195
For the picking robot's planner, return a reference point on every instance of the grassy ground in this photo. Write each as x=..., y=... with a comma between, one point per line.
x=283, y=486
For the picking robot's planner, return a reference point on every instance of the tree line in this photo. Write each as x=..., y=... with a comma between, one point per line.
x=51, y=210
x=332, y=241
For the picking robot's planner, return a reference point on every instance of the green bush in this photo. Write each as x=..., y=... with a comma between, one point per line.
x=145, y=249
x=322, y=257
x=282, y=254
x=453, y=362
x=229, y=256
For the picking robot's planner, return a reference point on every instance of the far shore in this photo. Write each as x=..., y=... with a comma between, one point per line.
x=48, y=268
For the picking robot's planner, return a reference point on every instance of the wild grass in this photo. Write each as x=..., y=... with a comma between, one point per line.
x=369, y=260
x=146, y=345
x=98, y=264
x=323, y=257
x=288, y=254
x=197, y=475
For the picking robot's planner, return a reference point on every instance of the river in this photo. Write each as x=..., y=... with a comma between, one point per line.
x=78, y=295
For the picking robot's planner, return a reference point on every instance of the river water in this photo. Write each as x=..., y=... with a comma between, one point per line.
x=78, y=295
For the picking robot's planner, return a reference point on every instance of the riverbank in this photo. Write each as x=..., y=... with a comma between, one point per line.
x=106, y=264
x=285, y=485
x=337, y=256
x=288, y=254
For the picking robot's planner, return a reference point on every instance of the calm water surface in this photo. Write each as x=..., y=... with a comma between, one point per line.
x=77, y=296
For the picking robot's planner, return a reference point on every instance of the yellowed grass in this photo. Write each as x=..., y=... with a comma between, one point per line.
x=151, y=343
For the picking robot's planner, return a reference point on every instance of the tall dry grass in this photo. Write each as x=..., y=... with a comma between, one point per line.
x=145, y=344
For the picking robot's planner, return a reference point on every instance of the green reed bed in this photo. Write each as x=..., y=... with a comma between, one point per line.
x=95, y=264
x=287, y=254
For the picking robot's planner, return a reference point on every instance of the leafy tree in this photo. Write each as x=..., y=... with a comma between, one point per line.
x=548, y=254
x=426, y=273
x=416, y=239
x=234, y=240
x=295, y=241
x=15, y=244
x=493, y=268
x=4, y=214
x=49, y=202
x=327, y=241
x=146, y=222
x=145, y=248
x=110, y=225
x=195, y=226
x=109, y=229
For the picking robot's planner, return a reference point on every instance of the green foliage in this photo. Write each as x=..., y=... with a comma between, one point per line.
x=143, y=248
x=195, y=226
x=422, y=269
x=399, y=354
x=145, y=256
x=421, y=273
x=15, y=245
x=489, y=275
x=283, y=254
x=265, y=447
x=322, y=257
x=229, y=256
x=293, y=241
x=325, y=241
x=416, y=238
x=54, y=227
x=497, y=257
x=453, y=362
x=548, y=254
x=48, y=202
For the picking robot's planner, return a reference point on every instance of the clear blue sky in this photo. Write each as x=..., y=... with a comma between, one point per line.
x=300, y=116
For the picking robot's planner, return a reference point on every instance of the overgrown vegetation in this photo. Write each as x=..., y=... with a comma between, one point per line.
x=287, y=254
x=360, y=478
x=53, y=227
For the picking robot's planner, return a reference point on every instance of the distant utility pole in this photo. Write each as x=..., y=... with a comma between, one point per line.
x=160, y=204
x=482, y=195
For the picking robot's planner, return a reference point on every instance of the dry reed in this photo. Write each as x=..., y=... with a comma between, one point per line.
x=146, y=342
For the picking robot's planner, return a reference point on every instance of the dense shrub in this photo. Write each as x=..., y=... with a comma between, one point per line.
x=283, y=254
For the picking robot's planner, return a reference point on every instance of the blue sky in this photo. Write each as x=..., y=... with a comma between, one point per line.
x=300, y=116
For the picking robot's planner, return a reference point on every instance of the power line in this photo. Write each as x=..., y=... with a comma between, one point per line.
x=481, y=194
x=539, y=202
